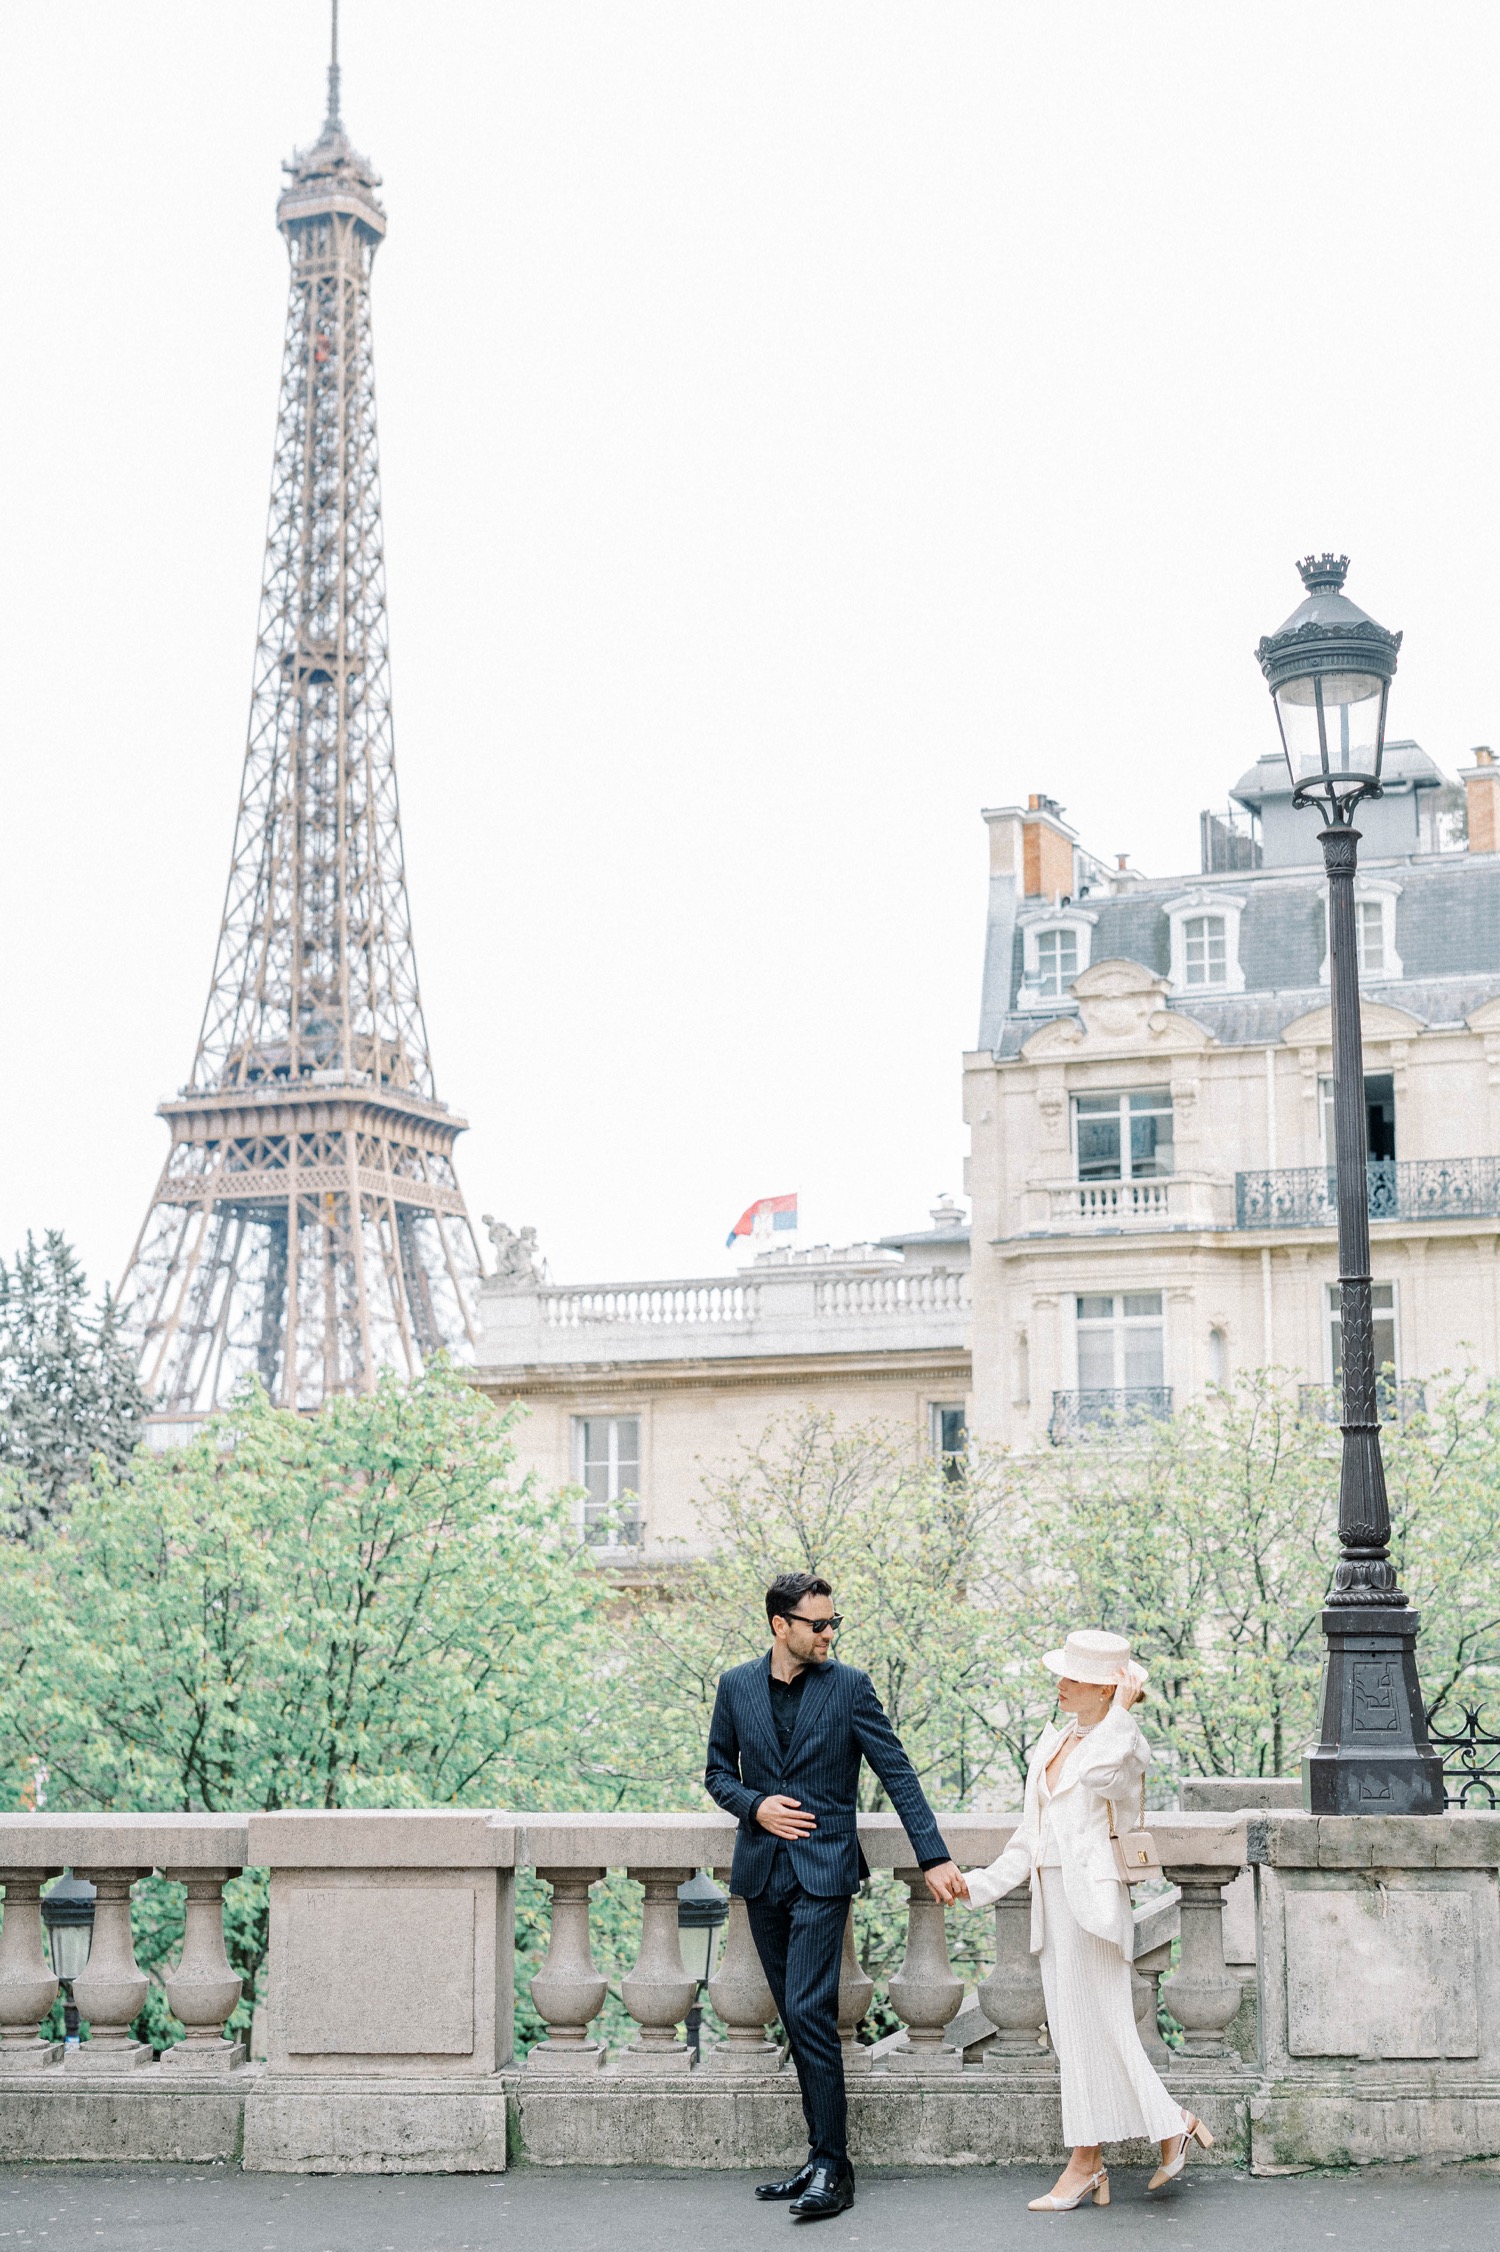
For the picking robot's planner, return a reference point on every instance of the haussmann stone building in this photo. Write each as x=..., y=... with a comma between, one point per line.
x=1149, y=1106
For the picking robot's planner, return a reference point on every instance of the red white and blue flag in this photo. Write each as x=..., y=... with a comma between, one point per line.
x=760, y=1218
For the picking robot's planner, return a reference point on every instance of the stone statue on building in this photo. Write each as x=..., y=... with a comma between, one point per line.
x=517, y=1265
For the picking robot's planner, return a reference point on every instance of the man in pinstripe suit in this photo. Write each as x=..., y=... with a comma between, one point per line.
x=784, y=1747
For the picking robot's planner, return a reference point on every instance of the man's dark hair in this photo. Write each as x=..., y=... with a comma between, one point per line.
x=787, y=1590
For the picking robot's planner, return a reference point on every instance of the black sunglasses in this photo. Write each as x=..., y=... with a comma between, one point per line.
x=819, y=1626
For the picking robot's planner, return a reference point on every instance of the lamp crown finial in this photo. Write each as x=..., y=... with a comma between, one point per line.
x=1324, y=573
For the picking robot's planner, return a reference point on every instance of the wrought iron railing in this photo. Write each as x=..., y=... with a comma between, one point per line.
x=1422, y=1188
x=1104, y=1413
x=1471, y=1758
x=1397, y=1402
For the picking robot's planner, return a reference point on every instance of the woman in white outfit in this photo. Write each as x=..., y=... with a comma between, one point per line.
x=1081, y=1921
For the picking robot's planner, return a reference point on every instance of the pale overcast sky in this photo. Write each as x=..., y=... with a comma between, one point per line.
x=803, y=423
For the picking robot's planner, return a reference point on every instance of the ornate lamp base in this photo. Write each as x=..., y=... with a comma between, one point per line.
x=1375, y=1756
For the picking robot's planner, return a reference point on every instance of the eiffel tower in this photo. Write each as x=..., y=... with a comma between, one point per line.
x=308, y=1226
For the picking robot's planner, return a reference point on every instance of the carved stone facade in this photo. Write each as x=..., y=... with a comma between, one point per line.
x=1152, y=1206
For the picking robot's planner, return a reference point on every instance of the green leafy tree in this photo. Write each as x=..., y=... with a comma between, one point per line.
x=68, y=1386
x=1212, y=1539
x=359, y=1608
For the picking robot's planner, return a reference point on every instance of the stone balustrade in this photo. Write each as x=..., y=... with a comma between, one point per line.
x=388, y=1996
x=853, y=1301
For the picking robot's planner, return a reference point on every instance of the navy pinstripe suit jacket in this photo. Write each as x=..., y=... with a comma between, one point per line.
x=840, y=1721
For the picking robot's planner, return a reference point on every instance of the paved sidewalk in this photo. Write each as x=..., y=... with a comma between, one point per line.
x=218, y=2209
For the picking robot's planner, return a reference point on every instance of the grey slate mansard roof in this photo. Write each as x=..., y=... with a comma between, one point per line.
x=1447, y=940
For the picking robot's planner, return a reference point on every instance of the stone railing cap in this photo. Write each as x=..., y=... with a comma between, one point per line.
x=443, y=1837
x=1460, y=1840
x=103, y=1841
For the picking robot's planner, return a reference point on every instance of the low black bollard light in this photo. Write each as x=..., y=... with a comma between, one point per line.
x=701, y=1911
x=68, y=1914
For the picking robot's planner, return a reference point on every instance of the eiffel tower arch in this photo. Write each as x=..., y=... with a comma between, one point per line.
x=308, y=1226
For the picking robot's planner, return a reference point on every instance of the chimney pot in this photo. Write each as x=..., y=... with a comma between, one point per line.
x=1481, y=783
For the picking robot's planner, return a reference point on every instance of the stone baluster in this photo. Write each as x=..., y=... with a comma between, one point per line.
x=28, y=1983
x=1146, y=1976
x=856, y=1993
x=111, y=1990
x=743, y=1999
x=1203, y=1994
x=203, y=1989
x=568, y=1990
x=658, y=1992
x=1011, y=1997
x=924, y=1992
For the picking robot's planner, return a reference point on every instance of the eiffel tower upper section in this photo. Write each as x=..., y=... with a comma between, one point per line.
x=308, y=1225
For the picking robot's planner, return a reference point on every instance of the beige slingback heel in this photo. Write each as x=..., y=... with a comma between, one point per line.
x=1097, y=2187
x=1194, y=2131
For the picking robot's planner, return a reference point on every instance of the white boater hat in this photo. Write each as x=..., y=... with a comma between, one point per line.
x=1090, y=1655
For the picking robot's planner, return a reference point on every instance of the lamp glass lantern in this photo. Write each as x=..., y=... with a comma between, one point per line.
x=702, y=1912
x=702, y=1909
x=68, y=1917
x=1329, y=669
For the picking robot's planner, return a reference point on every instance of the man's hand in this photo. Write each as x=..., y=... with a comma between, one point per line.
x=784, y=1817
x=947, y=1883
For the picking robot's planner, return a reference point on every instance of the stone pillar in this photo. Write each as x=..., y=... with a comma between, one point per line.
x=658, y=1993
x=1202, y=1993
x=568, y=1991
x=28, y=1984
x=1146, y=1975
x=203, y=1989
x=1011, y=1997
x=924, y=1992
x=111, y=1992
x=743, y=1999
x=856, y=1993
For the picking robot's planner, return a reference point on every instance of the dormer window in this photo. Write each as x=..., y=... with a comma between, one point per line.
x=1205, y=950
x=1369, y=926
x=1374, y=928
x=1206, y=942
x=1056, y=963
x=1055, y=947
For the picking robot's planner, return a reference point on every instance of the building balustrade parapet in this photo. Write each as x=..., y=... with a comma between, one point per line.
x=1164, y=1201
x=877, y=1304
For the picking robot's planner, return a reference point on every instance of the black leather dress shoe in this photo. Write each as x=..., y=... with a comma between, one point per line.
x=830, y=2191
x=771, y=2193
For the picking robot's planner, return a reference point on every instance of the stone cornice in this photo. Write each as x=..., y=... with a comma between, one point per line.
x=765, y=1372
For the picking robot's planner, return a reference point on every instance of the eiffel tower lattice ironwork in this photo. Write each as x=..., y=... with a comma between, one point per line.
x=308, y=1225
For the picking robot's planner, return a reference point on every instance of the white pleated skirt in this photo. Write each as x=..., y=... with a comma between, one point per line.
x=1110, y=2090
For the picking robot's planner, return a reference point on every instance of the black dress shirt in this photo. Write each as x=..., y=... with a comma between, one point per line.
x=786, y=1696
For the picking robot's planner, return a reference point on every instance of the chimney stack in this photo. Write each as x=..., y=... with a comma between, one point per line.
x=1046, y=850
x=1481, y=783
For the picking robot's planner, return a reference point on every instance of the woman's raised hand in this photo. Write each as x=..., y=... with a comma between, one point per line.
x=1129, y=1692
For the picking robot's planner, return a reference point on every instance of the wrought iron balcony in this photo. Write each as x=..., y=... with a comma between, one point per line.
x=1324, y=1403
x=1424, y=1188
x=1102, y=1414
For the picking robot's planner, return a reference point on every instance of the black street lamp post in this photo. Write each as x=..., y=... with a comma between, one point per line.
x=1329, y=669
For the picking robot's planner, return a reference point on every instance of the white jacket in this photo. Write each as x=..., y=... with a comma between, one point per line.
x=1106, y=1766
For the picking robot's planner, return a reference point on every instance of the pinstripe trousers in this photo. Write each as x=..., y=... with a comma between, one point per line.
x=799, y=1937
x=1110, y=2090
